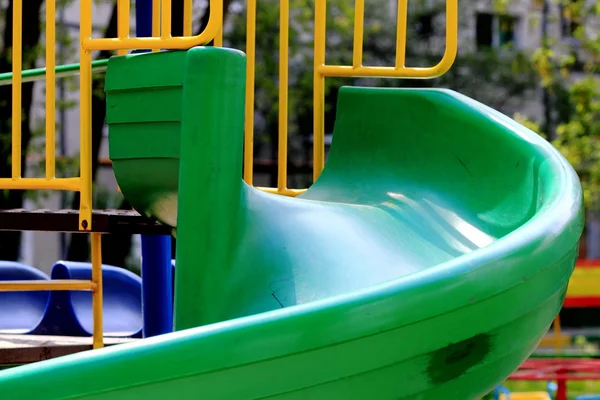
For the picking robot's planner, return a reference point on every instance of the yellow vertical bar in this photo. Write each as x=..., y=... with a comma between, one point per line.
x=451, y=31
x=155, y=19
x=359, y=28
x=187, y=17
x=165, y=29
x=250, y=72
x=50, y=89
x=219, y=37
x=85, y=117
x=17, y=66
x=284, y=20
x=123, y=17
x=401, y=34
x=319, y=89
x=97, y=293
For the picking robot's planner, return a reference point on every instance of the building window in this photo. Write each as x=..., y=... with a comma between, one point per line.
x=494, y=31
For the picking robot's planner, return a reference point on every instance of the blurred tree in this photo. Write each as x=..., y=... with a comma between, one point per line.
x=568, y=68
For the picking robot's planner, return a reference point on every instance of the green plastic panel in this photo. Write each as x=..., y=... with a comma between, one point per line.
x=143, y=113
x=427, y=261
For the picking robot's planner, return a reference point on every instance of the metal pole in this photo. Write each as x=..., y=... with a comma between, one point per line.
x=157, y=277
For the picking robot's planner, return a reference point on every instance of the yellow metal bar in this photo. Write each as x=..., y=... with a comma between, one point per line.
x=384, y=72
x=401, y=33
x=187, y=17
x=85, y=117
x=72, y=184
x=359, y=28
x=96, y=239
x=284, y=29
x=451, y=37
x=399, y=71
x=218, y=42
x=123, y=17
x=250, y=80
x=29, y=286
x=50, y=89
x=319, y=89
x=165, y=28
x=155, y=20
x=219, y=38
x=17, y=66
x=173, y=43
x=209, y=33
x=282, y=192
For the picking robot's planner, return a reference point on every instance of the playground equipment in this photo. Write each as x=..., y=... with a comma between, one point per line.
x=70, y=313
x=67, y=313
x=526, y=396
x=558, y=370
x=21, y=312
x=427, y=260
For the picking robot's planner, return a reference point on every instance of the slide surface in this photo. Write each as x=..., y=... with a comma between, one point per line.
x=426, y=262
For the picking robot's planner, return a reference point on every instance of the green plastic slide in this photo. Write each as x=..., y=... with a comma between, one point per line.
x=427, y=261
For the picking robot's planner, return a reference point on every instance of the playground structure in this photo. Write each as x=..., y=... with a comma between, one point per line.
x=294, y=293
x=70, y=312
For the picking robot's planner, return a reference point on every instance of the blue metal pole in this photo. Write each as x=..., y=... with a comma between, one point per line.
x=157, y=277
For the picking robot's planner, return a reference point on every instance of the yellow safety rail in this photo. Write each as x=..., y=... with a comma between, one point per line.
x=322, y=70
x=83, y=183
x=162, y=39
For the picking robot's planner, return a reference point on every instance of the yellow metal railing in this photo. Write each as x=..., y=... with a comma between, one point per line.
x=162, y=39
x=82, y=184
x=322, y=70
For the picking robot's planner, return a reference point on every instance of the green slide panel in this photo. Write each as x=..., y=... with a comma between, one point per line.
x=426, y=262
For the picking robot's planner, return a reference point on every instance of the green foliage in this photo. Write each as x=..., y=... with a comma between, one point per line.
x=568, y=69
x=578, y=139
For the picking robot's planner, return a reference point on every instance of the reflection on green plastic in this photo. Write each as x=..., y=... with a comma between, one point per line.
x=36, y=74
x=427, y=262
